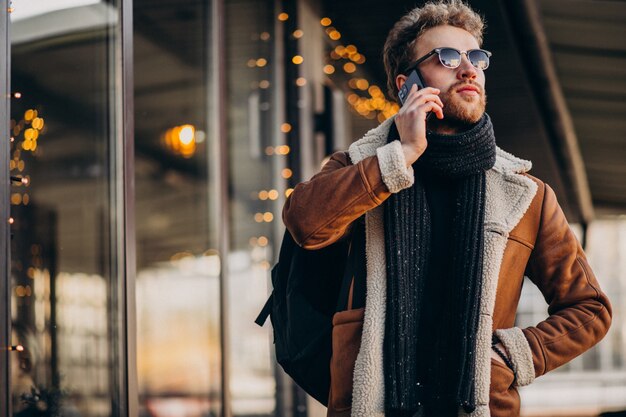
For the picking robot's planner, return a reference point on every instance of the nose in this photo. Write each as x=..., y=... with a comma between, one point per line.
x=466, y=70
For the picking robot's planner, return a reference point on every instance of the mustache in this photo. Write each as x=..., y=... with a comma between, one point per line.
x=461, y=84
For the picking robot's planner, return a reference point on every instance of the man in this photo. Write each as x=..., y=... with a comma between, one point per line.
x=453, y=224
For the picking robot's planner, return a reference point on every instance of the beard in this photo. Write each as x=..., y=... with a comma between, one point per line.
x=460, y=111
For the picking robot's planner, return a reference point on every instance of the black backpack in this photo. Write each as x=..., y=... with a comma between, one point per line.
x=309, y=287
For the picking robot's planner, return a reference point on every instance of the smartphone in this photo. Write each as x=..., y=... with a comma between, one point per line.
x=414, y=78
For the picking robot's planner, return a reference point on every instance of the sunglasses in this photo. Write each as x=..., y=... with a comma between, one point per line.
x=451, y=58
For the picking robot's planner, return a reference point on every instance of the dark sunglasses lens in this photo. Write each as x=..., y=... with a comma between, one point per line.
x=449, y=57
x=479, y=59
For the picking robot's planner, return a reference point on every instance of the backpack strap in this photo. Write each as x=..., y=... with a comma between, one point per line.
x=352, y=292
x=265, y=313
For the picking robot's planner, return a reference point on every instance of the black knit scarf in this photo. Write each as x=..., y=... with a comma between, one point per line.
x=464, y=157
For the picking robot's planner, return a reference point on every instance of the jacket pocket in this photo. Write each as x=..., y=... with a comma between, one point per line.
x=504, y=400
x=347, y=329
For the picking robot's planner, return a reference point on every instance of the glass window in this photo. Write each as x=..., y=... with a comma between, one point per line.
x=257, y=158
x=178, y=265
x=64, y=270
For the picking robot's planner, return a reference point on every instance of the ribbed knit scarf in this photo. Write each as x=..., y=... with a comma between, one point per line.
x=464, y=157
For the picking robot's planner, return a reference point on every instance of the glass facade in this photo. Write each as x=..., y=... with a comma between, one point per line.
x=64, y=220
x=178, y=263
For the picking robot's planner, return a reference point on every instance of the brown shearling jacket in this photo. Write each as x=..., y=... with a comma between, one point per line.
x=539, y=245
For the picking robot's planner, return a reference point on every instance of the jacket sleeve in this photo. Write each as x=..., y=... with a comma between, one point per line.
x=579, y=312
x=319, y=211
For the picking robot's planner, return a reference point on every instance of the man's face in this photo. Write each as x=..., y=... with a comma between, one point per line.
x=460, y=106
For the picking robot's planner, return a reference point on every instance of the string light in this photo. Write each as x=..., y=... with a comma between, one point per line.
x=285, y=128
x=374, y=106
x=349, y=67
x=329, y=69
x=301, y=81
x=283, y=16
x=298, y=33
x=298, y=59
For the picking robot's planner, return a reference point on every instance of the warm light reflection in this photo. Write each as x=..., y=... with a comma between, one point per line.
x=349, y=67
x=181, y=140
x=329, y=69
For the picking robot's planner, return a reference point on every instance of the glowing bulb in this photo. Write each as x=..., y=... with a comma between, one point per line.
x=283, y=16
x=329, y=69
x=349, y=67
x=186, y=134
x=326, y=21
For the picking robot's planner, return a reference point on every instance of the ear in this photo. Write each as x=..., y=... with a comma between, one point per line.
x=400, y=80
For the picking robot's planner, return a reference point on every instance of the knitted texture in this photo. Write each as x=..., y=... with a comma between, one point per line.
x=508, y=196
x=464, y=157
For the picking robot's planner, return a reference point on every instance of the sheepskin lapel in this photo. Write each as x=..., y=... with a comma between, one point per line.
x=508, y=196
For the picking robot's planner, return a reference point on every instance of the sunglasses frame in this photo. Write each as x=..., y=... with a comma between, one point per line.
x=438, y=52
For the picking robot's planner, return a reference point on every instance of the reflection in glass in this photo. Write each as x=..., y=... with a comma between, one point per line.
x=63, y=251
x=178, y=266
x=256, y=157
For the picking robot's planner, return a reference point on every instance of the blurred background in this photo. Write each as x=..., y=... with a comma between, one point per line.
x=152, y=146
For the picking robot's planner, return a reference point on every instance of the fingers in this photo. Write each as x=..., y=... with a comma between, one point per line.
x=415, y=94
x=417, y=98
x=434, y=107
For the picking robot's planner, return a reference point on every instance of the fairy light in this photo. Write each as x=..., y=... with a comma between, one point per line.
x=328, y=69
x=349, y=67
x=283, y=16
x=301, y=81
x=326, y=21
x=297, y=59
x=298, y=33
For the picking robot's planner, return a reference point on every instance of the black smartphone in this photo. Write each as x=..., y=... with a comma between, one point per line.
x=414, y=78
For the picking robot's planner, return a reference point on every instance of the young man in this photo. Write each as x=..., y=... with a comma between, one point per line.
x=453, y=224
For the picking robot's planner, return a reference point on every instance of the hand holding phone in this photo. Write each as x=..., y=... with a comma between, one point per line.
x=411, y=120
x=413, y=79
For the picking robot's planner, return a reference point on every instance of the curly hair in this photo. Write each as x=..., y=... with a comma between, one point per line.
x=399, y=49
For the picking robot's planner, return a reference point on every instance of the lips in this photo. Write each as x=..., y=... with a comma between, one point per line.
x=468, y=89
